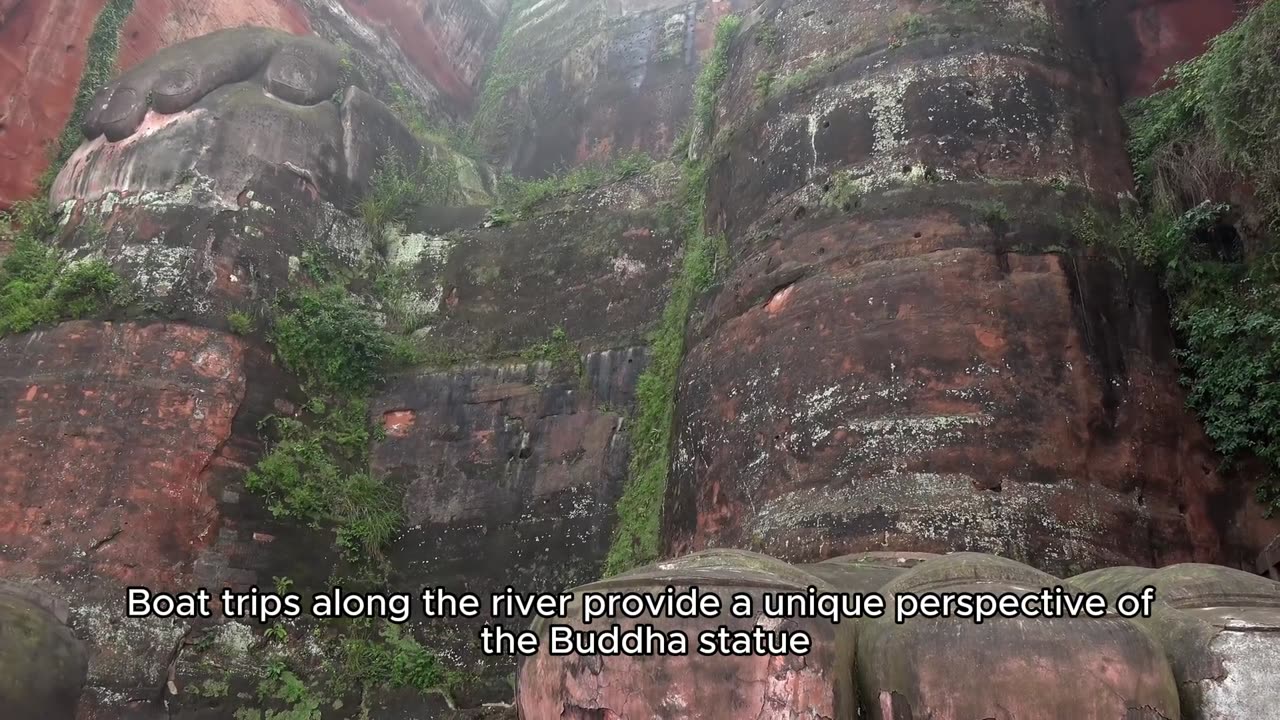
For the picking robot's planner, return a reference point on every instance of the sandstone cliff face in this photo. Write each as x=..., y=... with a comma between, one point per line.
x=1143, y=38
x=913, y=351
x=42, y=48
x=578, y=82
x=434, y=52
x=935, y=362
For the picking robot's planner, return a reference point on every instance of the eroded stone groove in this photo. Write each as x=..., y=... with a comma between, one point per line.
x=914, y=353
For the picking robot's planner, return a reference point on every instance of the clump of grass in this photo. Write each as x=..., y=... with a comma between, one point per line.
x=520, y=198
x=388, y=658
x=995, y=215
x=1222, y=114
x=768, y=37
x=638, y=533
x=914, y=26
x=637, y=536
x=764, y=83
x=240, y=323
x=398, y=186
x=844, y=192
x=557, y=350
x=707, y=87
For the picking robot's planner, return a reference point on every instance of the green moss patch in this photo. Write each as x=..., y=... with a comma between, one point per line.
x=99, y=69
x=638, y=535
x=521, y=198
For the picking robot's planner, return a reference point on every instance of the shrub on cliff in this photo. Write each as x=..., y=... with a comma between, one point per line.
x=1218, y=127
x=331, y=341
x=36, y=286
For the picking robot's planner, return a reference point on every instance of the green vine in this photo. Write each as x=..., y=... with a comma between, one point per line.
x=637, y=538
x=99, y=68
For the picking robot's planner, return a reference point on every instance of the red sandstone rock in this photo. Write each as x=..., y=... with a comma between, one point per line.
x=955, y=669
x=447, y=41
x=894, y=364
x=439, y=51
x=510, y=476
x=595, y=81
x=1146, y=37
x=107, y=434
x=813, y=687
x=42, y=53
x=157, y=24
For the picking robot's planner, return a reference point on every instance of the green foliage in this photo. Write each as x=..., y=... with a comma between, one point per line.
x=415, y=117
x=764, y=83
x=1227, y=317
x=713, y=74
x=1233, y=356
x=768, y=37
x=914, y=26
x=522, y=197
x=811, y=73
x=397, y=187
x=36, y=286
x=331, y=341
x=1218, y=126
x=99, y=67
x=315, y=473
x=995, y=215
x=240, y=323
x=557, y=350
x=636, y=539
x=844, y=192
x=1223, y=114
x=390, y=659
x=281, y=685
x=213, y=688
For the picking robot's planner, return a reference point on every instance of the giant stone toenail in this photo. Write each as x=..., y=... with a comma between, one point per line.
x=175, y=83
x=121, y=105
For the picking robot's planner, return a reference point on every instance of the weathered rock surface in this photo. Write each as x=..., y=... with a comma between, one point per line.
x=915, y=351
x=1201, y=655
x=909, y=670
x=576, y=82
x=215, y=165
x=865, y=572
x=510, y=476
x=759, y=686
x=433, y=55
x=157, y=24
x=42, y=665
x=117, y=439
x=42, y=55
x=438, y=50
x=1219, y=627
x=1140, y=39
x=596, y=265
